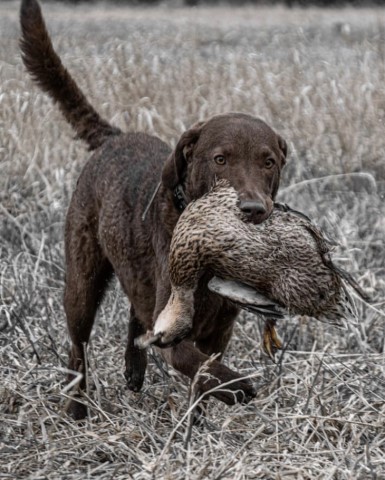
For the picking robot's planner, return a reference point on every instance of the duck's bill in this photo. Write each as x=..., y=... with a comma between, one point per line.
x=147, y=339
x=246, y=297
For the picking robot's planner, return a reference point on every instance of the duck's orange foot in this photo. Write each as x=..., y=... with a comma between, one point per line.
x=271, y=342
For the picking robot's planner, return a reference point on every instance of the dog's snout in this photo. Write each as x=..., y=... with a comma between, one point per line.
x=255, y=211
x=252, y=207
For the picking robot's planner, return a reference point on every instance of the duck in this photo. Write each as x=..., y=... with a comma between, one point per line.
x=280, y=267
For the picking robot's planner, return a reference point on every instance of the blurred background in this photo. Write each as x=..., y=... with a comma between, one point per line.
x=237, y=3
x=315, y=72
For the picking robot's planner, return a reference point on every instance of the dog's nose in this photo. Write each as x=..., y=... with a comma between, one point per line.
x=252, y=208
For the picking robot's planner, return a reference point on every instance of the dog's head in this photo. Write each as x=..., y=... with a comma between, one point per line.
x=237, y=147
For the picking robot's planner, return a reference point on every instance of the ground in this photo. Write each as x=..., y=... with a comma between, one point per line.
x=317, y=76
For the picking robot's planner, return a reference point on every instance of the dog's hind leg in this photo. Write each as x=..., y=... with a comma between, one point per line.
x=87, y=276
x=136, y=359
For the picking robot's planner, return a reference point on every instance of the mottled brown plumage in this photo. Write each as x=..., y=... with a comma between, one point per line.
x=286, y=258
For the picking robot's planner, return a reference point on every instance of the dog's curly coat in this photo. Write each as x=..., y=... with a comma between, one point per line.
x=105, y=232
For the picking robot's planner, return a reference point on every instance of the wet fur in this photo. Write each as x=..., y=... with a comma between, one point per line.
x=105, y=234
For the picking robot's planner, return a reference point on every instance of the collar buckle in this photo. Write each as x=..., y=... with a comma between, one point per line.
x=180, y=199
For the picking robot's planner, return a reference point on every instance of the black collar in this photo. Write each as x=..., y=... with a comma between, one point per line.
x=180, y=200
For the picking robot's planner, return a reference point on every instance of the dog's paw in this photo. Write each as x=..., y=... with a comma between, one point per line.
x=134, y=379
x=76, y=410
x=228, y=386
x=241, y=391
x=136, y=364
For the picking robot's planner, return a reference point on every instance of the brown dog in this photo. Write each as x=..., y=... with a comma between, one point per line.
x=105, y=232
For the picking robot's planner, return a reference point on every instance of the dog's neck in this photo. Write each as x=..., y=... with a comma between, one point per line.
x=178, y=196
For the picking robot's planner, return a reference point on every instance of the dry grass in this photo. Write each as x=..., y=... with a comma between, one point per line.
x=318, y=77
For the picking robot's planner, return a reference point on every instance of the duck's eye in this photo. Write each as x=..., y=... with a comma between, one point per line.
x=219, y=159
x=269, y=162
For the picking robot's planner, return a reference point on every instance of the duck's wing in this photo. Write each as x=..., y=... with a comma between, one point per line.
x=246, y=297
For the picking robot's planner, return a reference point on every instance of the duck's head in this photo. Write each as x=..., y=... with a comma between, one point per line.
x=175, y=321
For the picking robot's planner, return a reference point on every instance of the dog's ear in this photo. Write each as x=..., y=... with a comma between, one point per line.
x=283, y=147
x=174, y=169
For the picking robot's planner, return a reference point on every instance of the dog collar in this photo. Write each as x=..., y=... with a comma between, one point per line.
x=180, y=200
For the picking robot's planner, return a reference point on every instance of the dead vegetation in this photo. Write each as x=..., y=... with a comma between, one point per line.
x=317, y=77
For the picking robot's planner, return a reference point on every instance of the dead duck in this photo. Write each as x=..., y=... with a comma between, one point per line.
x=280, y=266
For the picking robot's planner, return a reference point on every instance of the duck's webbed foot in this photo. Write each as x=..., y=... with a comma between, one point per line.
x=271, y=342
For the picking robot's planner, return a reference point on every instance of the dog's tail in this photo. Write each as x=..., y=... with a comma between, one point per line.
x=46, y=68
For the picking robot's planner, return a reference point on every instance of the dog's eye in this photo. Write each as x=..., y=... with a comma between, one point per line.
x=219, y=159
x=269, y=162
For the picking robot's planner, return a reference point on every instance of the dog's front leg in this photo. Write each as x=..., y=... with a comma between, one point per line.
x=187, y=359
x=136, y=359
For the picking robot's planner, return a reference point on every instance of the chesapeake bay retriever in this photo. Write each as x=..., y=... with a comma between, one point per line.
x=106, y=232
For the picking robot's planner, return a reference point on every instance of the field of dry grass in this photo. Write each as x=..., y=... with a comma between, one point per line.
x=318, y=78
